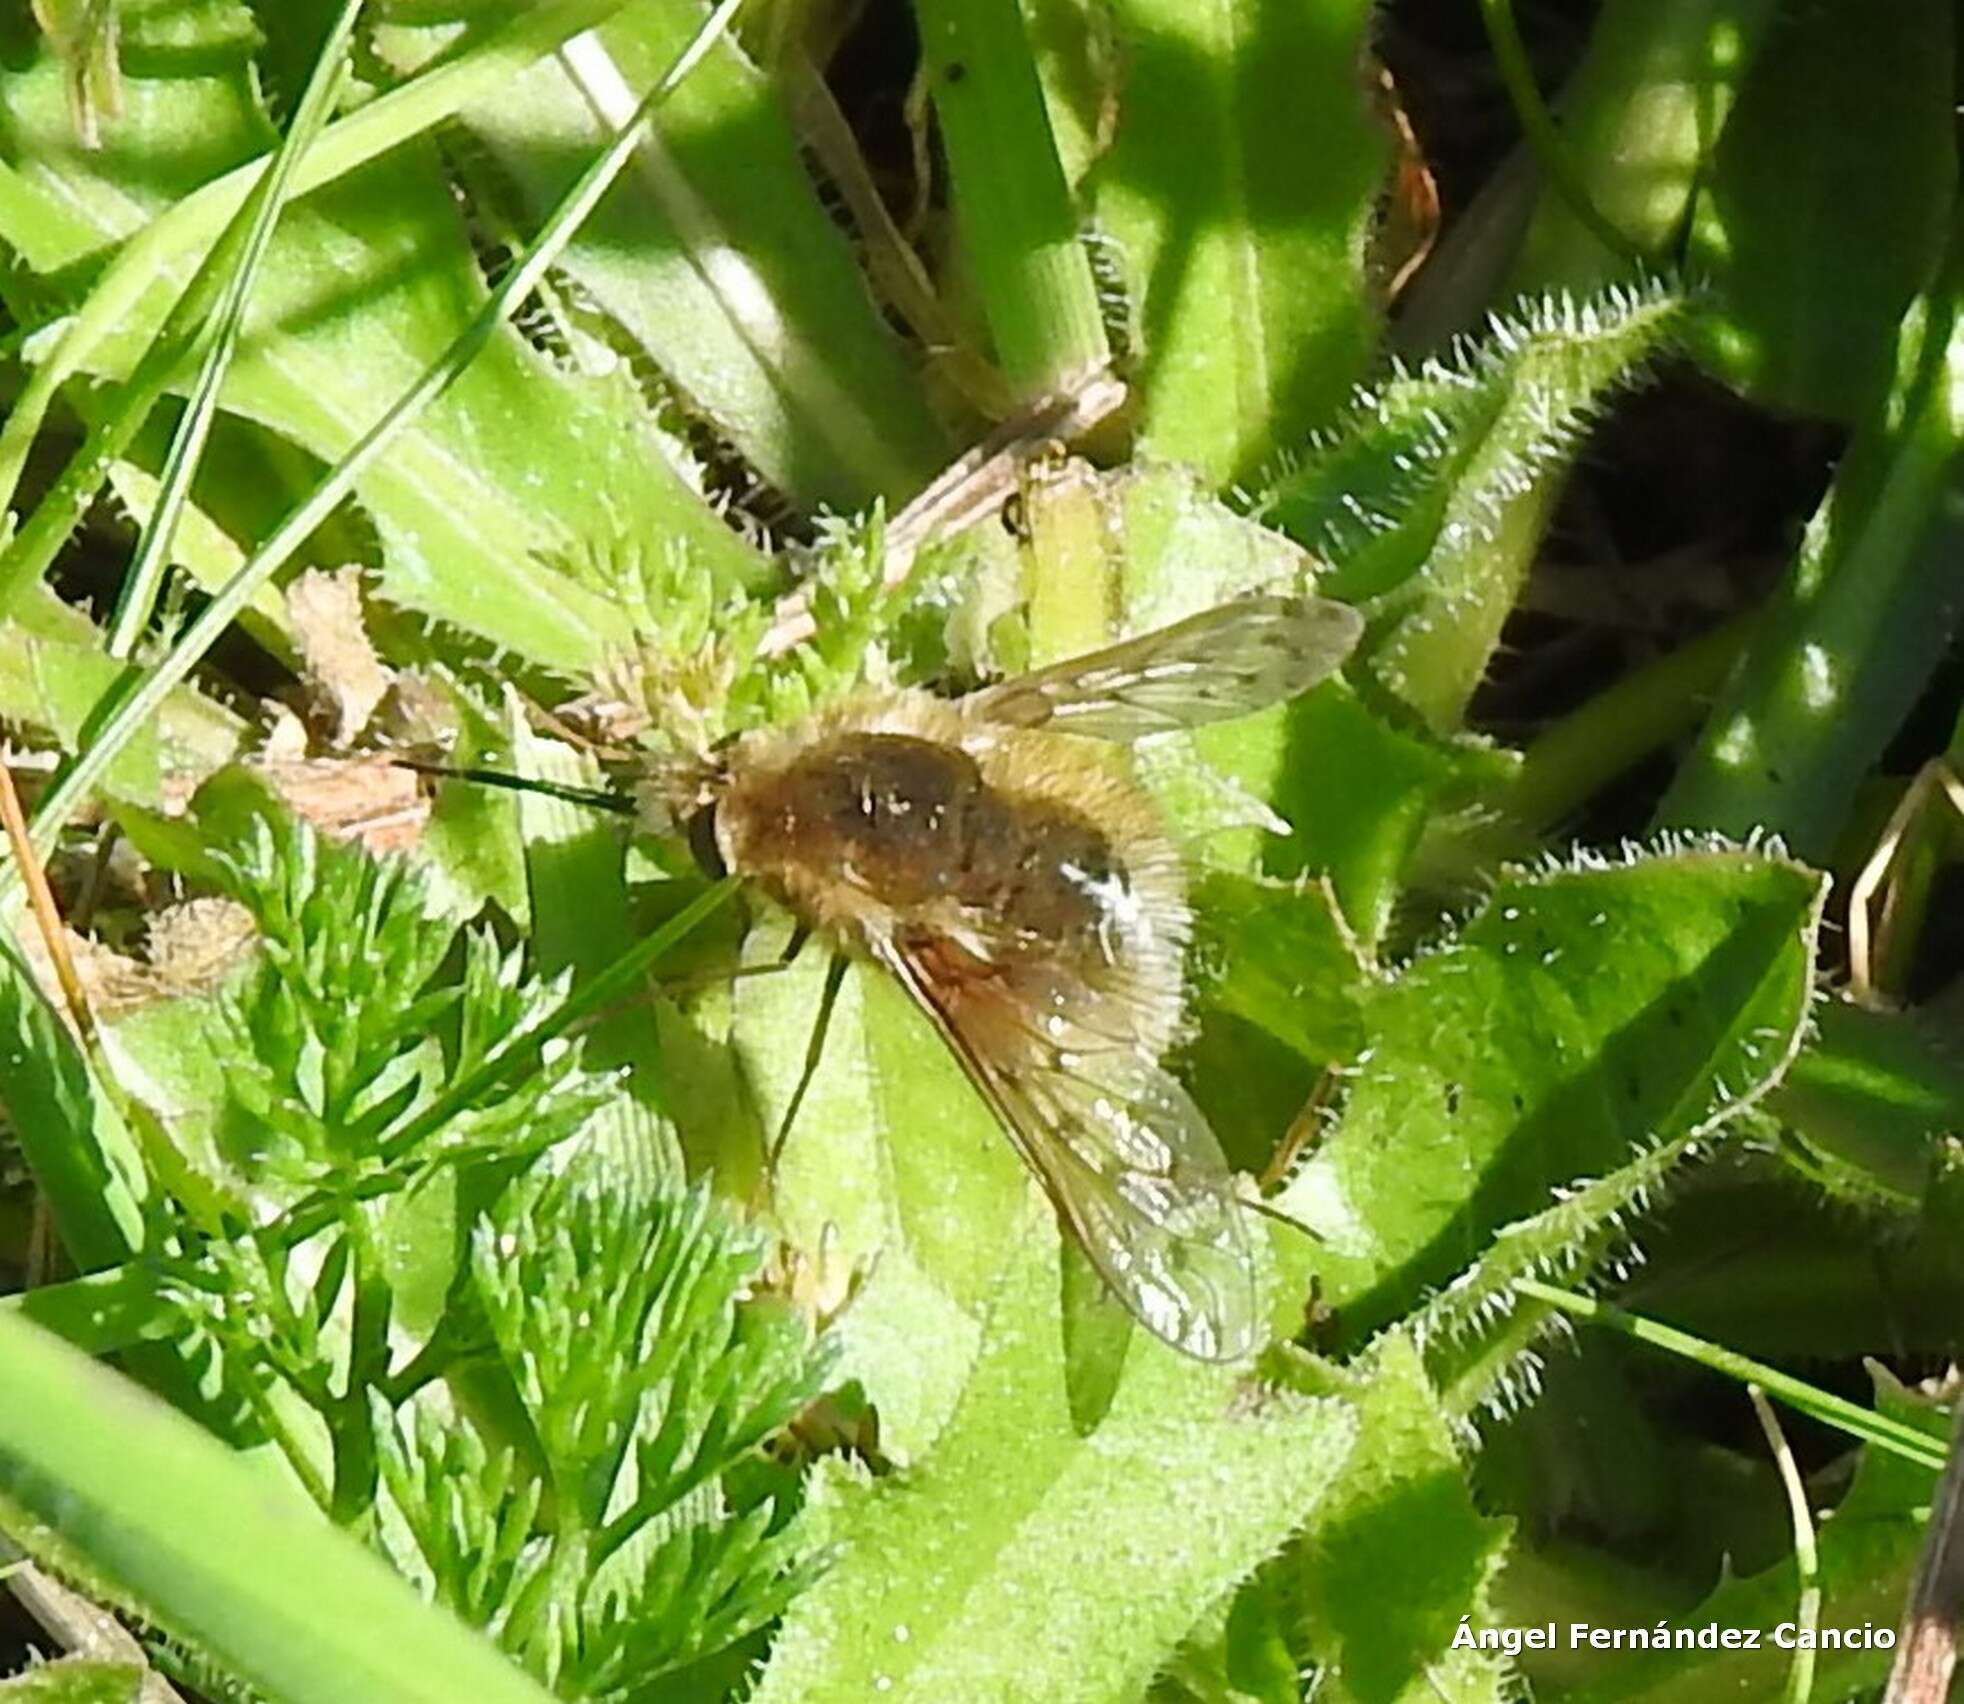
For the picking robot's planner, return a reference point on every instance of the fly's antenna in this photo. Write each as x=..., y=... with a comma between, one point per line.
x=621, y=804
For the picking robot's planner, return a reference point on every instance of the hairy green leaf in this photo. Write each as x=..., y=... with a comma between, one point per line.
x=1582, y=1016
x=1022, y=1558
x=1429, y=498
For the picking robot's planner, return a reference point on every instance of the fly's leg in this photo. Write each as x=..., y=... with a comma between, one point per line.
x=828, y=999
x=737, y=973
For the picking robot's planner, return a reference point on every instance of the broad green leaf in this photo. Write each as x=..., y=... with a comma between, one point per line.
x=1360, y=788
x=1581, y=1016
x=1403, y=1511
x=1430, y=496
x=205, y=550
x=716, y=257
x=366, y=284
x=217, y=1552
x=1281, y=958
x=893, y=1168
x=1868, y=1547
x=1862, y=619
x=1828, y=203
x=1238, y=192
x=1022, y=1559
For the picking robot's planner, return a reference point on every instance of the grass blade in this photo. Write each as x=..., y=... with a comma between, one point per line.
x=362, y=136
x=1010, y=196
x=187, y=447
x=126, y=717
x=195, y=1535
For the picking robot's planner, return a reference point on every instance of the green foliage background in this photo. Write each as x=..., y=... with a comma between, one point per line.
x=589, y=350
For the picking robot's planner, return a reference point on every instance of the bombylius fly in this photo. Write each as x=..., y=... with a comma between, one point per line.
x=1031, y=904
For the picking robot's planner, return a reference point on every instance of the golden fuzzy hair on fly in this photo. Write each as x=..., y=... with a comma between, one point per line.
x=1072, y=775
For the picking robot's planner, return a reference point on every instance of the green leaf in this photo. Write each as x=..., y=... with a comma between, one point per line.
x=522, y=461
x=1430, y=496
x=53, y=675
x=81, y=1153
x=1870, y=1095
x=650, y=1370
x=1023, y=1559
x=1828, y=203
x=1281, y=958
x=718, y=260
x=1360, y=788
x=580, y=913
x=1238, y=193
x=1862, y=619
x=1018, y=227
x=893, y=1168
x=75, y=1681
x=1868, y=1547
x=1582, y=1015
x=216, y=1552
x=1778, y=1267
x=1403, y=1511
x=54, y=238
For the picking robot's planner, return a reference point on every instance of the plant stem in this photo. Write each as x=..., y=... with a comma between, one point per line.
x=1011, y=198
x=1866, y=613
x=1653, y=705
x=1895, y=1436
x=1550, y=152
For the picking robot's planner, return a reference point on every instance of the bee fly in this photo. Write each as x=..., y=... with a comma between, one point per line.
x=1033, y=907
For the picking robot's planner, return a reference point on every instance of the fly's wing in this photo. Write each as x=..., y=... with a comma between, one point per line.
x=1224, y=662
x=1135, y=1174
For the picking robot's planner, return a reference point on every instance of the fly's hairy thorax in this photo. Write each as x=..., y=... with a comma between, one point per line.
x=1011, y=859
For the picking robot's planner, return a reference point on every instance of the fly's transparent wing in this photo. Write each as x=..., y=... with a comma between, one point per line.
x=1224, y=662
x=1135, y=1174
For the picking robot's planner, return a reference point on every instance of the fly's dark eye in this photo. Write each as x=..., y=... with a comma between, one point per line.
x=702, y=843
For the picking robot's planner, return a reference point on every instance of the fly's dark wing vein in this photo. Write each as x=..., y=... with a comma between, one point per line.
x=1222, y=663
